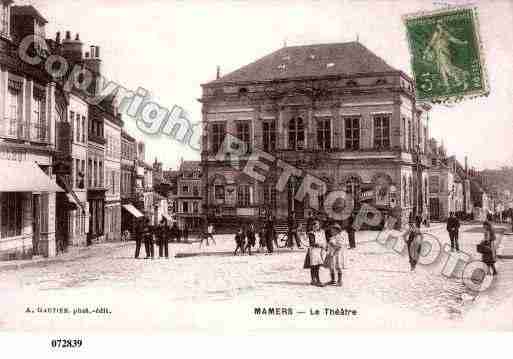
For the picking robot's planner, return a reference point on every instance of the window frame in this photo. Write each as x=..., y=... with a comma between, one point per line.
x=381, y=123
x=352, y=133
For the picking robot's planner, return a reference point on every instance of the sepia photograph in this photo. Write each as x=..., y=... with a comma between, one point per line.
x=255, y=166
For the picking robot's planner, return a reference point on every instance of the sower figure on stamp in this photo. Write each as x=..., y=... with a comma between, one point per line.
x=335, y=257
x=453, y=227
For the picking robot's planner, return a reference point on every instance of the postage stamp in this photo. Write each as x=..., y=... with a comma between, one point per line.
x=447, y=56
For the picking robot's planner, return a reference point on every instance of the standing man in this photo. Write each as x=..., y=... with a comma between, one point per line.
x=310, y=222
x=148, y=239
x=163, y=240
x=185, y=232
x=350, y=232
x=269, y=234
x=453, y=227
x=292, y=232
x=138, y=238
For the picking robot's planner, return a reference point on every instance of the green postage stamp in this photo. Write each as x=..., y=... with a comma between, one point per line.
x=446, y=54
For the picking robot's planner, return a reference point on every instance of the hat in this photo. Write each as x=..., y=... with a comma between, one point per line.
x=337, y=227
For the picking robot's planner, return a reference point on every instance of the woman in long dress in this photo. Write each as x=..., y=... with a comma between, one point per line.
x=489, y=254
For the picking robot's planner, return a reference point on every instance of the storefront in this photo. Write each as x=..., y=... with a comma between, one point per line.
x=27, y=210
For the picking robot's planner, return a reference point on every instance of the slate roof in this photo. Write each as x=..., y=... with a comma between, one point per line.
x=349, y=58
x=28, y=10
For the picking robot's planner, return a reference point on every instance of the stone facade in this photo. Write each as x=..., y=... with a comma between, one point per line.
x=362, y=134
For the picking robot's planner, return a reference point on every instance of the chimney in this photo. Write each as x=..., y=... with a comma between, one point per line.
x=92, y=50
x=87, y=55
x=68, y=35
x=466, y=165
x=58, y=37
x=97, y=51
x=77, y=37
x=218, y=72
x=72, y=49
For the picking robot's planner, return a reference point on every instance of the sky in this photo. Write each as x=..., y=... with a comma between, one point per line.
x=171, y=47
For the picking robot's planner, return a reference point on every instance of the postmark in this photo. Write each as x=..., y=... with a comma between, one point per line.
x=447, y=56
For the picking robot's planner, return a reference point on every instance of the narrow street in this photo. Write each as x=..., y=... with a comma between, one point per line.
x=180, y=293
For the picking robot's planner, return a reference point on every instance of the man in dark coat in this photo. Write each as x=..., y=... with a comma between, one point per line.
x=251, y=237
x=139, y=229
x=292, y=232
x=453, y=227
x=148, y=239
x=163, y=240
x=310, y=222
x=269, y=234
x=351, y=232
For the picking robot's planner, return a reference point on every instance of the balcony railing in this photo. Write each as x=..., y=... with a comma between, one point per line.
x=38, y=132
x=13, y=128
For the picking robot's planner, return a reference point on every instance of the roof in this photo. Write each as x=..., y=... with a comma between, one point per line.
x=28, y=10
x=348, y=58
x=190, y=165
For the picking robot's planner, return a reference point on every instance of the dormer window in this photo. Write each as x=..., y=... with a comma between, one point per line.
x=311, y=56
x=351, y=83
x=286, y=57
x=282, y=67
x=381, y=82
x=330, y=64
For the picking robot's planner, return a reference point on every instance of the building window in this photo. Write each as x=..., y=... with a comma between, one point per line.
x=324, y=134
x=83, y=129
x=11, y=214
x=382, y=131
x=243, y=133
x=185, y=207
x=352, y=133
x=195, y=191
x=82, y=174
x=243, y=195
x=219, y=192
x=269, y=133
x=353, y=189
x=410, y=138
x=296, y=134
x=195, y=207
x=15, y=126
x=89, y=173
x=406, y=201
x=38, y=125
x=410, y=191
x=4, y=18
x=185, y=189
x=403, y=122
x=218, y=133
x=269, y=194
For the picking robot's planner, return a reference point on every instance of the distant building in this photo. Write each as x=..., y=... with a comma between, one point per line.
x=128, y=179
x=189, y=198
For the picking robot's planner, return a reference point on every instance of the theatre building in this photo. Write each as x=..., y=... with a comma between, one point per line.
x=28, y=111
x=334, y=111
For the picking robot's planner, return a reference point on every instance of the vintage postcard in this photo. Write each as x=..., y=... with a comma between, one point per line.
x=255, y=166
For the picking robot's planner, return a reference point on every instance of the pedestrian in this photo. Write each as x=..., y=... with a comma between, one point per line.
x=174, y=232
x=292, y=232
x=414, y=245
x=351, y=232
x=316, y=253
x=163, y=240
x=139, y=229
x=335, y=256
x=270, y=236
x=453, y=227
x=487, y=248
x=125, y=236
x=251, y=237
x=310, y=220
x=418, y=220
x=185, y=233
x=240, y=241
x=148, y=239
x=261, y=238
x=210, y=233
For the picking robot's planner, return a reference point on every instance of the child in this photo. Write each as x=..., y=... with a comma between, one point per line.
x=335, y=257
x=240, y=241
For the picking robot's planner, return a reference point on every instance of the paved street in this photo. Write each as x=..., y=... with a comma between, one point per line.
x=210, y=288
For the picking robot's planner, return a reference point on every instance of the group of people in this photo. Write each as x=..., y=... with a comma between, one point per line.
x=161, y=234
x=325, y=250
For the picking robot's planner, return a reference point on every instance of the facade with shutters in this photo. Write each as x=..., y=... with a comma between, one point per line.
x=334, y=111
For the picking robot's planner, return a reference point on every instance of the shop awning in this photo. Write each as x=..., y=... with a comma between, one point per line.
x=25, y=176
x=72, y=196
x=133, y=211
